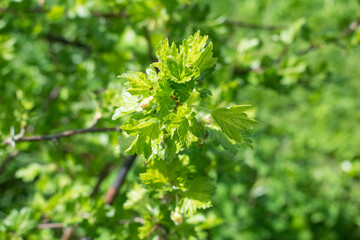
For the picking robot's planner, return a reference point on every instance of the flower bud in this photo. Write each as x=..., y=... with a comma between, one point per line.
x=146, y=103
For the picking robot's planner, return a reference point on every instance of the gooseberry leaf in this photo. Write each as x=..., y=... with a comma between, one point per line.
x=219, y=138
x=147, y=135
x=126, y=104
x=233, y=121
x=139, y=83
x=197, y=196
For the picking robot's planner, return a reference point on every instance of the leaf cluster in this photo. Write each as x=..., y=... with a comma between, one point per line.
x=166, y=127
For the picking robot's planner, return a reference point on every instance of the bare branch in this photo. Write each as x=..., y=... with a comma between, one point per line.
x=156, y=226
x=53, y=38
x=68, y=232
x=60, y=135
x=50, y=225
x=119, y=180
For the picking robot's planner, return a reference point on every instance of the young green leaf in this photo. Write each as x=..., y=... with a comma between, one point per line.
x=233, y=121
x=163, y=174
x=166, y=103
x=220, y=138
x=147, y=136
x=180, y=127
x=197, y=196
x=139, y=83
x=126, y=104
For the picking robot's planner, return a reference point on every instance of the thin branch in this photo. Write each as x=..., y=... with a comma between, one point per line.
x=60, y=135
x=156, y=226
x=53, y=38
x=50, y=225
x=68, y=232
x=119, y=180
x=254, y=26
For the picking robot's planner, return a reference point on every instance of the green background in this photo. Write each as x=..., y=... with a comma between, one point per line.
x=296, y=61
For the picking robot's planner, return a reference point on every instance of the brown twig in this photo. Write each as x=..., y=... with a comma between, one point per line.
x=119, y=180
x=50, y=225
x=68, y=232
x=53, y=38
x=60, y=135
x=156, y=226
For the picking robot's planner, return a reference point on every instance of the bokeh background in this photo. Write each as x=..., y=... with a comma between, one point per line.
x=296, y=61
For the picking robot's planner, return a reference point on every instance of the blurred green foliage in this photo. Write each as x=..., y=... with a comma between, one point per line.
x=295, y=60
